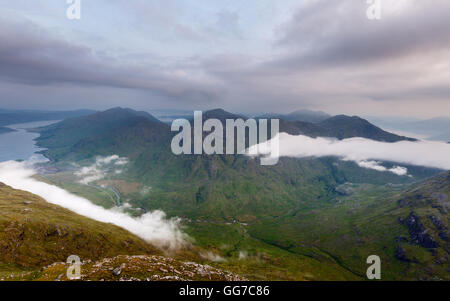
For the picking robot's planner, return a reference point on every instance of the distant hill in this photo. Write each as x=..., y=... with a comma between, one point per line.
x=4, y=130
x=341, y=127
x=62, y=138
x=8, y=117
x=193, y=185
x=221, y=114
x=434, y=128
x=430, y=125
x=168, y=116
x=299, y=115
x=441, y=137
x=126, y=130
x=307, y=116
x=136, y=113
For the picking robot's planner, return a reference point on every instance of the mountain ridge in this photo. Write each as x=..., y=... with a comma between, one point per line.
x=4, y=130
x=275, y=206
x=299, y=115
x=201, y=182
x=8, y=117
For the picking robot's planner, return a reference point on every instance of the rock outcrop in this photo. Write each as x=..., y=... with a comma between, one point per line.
x=140, y=268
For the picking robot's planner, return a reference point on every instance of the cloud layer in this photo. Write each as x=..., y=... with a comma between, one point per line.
x=153, y=227
x=365, y=151
x=265, y=56
x=101, y=167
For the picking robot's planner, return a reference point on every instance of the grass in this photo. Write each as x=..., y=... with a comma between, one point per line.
x=34, y=233
x=317, y=239
x=252, y=258
x=66, y=180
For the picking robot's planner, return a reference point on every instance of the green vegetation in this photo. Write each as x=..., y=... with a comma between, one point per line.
x=100, y=196
x=256, y=260
x=34, y=233
x=311, y=218
x=369, y=221
x=215, y=187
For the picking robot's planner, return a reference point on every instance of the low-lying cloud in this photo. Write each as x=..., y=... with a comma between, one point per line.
x=364, y=151
x=398, y=170
x=208, y=255
x=154, y=227
x=101, y=167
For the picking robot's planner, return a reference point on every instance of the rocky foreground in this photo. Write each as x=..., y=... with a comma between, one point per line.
x=139, y=268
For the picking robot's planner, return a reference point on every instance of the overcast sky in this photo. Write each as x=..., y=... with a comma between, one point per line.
x=246, y=56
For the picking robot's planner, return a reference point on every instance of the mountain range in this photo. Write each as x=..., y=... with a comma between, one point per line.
x=220, y=186
x=4, y=130
x=433, y=129
x=8, y=117
x=299, y=115
x=293, y=221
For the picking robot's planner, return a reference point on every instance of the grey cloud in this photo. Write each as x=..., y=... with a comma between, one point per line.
x=330, y=53
x=330, y=33
x=328, y=56
x=30, y=55
x=228, y=24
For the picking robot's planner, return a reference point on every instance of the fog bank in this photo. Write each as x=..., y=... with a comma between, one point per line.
x=153, y=227
x=363, y=151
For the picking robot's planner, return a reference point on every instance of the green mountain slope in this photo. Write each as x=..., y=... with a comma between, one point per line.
x=340, y=127
x=407, y=228
x=315, y=208
x=220, y=186
x=36, y=237
x=34, y=233
x=343, y=126
x=71, y=137
x=300, y=115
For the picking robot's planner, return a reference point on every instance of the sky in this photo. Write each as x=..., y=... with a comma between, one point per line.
x=249, y=56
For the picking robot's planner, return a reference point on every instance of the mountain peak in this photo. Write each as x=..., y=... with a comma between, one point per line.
x=217, y=111
x=344, y=126
x=302, y=115
x=308, y=112
x=221, y=114
x=128, y=111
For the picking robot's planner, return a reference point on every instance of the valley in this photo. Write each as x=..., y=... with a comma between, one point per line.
x=294, y=146
x=302, y=219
